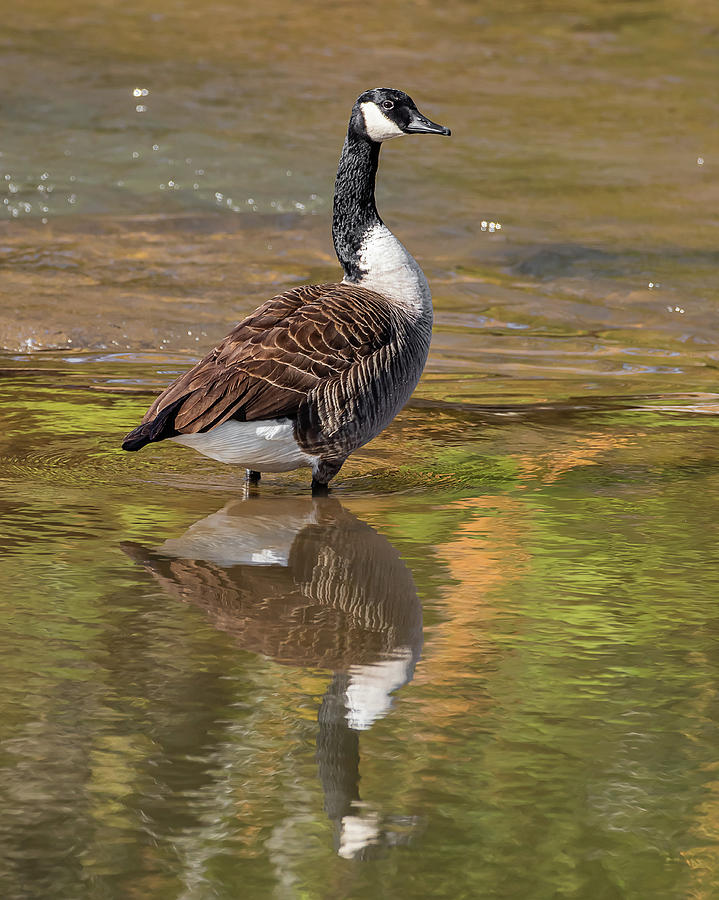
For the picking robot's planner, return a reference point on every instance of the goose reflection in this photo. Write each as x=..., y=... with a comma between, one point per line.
x=305, y=582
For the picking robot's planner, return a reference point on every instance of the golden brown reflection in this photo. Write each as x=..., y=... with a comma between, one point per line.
x=306, y=583
x=187, y=162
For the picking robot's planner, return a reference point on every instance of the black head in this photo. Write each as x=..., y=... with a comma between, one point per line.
x=383, y=113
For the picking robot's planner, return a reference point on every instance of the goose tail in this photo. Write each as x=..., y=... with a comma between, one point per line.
x=157, y=429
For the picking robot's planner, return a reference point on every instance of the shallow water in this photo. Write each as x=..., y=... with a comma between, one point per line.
x=486, y=665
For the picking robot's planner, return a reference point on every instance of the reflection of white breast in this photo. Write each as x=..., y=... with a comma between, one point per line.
x=368, y=694
x=232, y=540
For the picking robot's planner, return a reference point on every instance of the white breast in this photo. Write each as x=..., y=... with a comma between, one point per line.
x=267, y=445
x=392, y=271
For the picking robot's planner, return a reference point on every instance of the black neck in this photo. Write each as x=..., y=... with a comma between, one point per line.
x=354, y=207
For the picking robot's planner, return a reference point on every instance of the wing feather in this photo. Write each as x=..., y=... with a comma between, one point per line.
x=268, y=364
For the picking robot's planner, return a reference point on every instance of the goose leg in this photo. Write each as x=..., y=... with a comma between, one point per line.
x=253, y=477
x=323, y=472
x=319, y=488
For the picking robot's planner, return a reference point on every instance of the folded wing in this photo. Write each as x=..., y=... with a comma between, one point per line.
x=268, y=364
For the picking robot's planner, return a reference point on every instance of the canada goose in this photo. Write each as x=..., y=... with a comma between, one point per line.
x=320, y=370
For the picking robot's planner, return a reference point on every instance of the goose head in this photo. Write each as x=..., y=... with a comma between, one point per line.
x=384, y=113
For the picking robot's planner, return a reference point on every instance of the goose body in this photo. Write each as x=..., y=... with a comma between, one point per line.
x=317, y=371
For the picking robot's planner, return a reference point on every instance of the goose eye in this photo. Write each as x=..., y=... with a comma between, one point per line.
x=387, y=104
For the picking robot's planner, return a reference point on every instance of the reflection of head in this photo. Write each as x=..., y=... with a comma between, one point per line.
x=359, y=828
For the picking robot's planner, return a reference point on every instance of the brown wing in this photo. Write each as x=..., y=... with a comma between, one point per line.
x=268, y=363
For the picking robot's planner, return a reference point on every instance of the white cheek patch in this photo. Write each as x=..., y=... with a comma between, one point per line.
x=378, y=126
